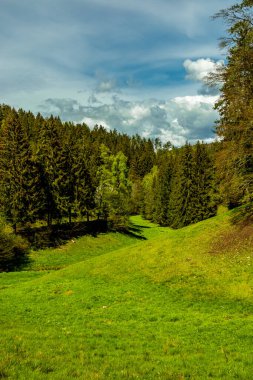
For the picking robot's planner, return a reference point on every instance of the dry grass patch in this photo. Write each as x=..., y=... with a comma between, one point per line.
x=235, y=239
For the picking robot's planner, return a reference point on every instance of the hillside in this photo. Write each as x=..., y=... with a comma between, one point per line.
x=175, y=305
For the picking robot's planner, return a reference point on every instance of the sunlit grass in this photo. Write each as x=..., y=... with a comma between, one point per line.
x=169, y=307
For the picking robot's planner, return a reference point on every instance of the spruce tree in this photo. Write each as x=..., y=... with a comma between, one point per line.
x=21, y=195
x=163, y=189
x=120, y=197
x=51, y=161
x=104, y=186
x=235, y=106
x=205, y=196
x=183, y=189
x=84, y=184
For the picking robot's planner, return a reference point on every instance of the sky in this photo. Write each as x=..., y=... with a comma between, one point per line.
x=135, y=66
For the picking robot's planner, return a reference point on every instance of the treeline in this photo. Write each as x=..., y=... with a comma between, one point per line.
x=55, y=171
x=52, y=170
x=181, y=189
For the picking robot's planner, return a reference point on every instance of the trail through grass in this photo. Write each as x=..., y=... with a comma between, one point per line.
x=172, y=306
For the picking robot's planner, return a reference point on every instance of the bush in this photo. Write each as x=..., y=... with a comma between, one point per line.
x=243, y=215
x=13, y=248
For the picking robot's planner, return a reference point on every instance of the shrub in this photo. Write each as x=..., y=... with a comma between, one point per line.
x=13, y=248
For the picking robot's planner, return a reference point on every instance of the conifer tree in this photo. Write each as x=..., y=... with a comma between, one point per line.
x=163, y=189
x=65, y=183
x=51, y=160
x=83, y=161
x=235, y=126
x=21, y=195
x=104, y=187
x=205, y=206
x=120, y=197
x=183, y=192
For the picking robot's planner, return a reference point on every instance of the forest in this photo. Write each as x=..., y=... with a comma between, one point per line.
x=55, y=172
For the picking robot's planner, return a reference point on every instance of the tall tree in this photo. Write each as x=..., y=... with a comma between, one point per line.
x=52, y=164
x=163, y=188
x=21, y=195
x=149, y=185
x=235, y=126
x=83, y=171
x=121, y=191
x=114, y=188
x=183, y=189
x=205, y=196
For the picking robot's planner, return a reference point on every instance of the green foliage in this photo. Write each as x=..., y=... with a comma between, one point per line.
x=13, y=248
x=50, y=153
x=163, y=189
x=206, y=194
x=58, y=171
x=120, y=197
x=181, y=190
x=184, y=189
x=149, y=193
x=142, y=157
x=114, y=188
x=235, y=161
x=20, y=177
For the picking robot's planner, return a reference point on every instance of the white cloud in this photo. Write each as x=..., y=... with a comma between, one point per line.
x=139, y=112
x=89, y=121
x=178, y=120
x=199, y=69
x=191, y=102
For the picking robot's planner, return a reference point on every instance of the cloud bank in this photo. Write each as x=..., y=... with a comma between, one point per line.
x=179, y=119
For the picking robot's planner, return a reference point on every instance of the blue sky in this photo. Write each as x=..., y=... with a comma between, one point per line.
x=137, y=66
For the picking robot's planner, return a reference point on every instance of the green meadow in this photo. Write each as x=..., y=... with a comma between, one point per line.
x=154, y=304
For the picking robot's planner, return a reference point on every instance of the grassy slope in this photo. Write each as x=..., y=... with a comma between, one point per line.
x=176, y=306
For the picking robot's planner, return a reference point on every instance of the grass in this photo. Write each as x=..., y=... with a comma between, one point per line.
x=177, y=305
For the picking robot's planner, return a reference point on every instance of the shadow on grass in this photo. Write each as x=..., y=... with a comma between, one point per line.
x=59, y=234
x=134, y=232
x=139, y=227
x=16, y=259
x=14, y=263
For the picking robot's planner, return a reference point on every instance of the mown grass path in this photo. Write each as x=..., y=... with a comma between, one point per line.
x=119, y=307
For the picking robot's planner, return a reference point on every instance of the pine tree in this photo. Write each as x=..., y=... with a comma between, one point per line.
x=183, y=190
x=163, y=189
x=104, y=187
x=142, y=157
x=205, y=200
x=51, y=161
x=235, y=127
x=21, y=196
x=83, y=164
x=120, y=197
